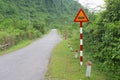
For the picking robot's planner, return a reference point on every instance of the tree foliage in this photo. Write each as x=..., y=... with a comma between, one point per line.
x=102, y=39
x=21, y=19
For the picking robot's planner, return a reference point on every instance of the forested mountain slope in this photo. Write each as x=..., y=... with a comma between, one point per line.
x=21, y=19
x=37, y=9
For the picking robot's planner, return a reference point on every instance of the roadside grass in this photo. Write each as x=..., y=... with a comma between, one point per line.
x=20, y=45
x=63, y=66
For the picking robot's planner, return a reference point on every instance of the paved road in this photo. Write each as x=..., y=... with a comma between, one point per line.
x=29, y=63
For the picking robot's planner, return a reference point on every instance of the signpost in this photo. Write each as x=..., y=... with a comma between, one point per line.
x=81, y=17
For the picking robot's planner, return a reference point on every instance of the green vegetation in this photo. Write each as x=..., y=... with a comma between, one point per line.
x=101, y=39
x=22, y=20
x=16, y=47
x=29, y=19
x=63, y=66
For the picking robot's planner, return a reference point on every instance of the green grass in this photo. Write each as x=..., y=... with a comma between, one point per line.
x=20, y=45
x=63, y=66
x=16, y=47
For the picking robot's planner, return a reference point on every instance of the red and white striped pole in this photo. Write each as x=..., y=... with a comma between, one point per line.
x=81, y=17
x=81, y=44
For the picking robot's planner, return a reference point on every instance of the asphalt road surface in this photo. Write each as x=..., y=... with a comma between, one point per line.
x=31, y=62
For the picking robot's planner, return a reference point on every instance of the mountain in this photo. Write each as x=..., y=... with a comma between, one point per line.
x=38, y=9
x=20, y=18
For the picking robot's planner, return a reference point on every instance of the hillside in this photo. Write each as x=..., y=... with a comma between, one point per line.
x=37, y=9
x=28, y=19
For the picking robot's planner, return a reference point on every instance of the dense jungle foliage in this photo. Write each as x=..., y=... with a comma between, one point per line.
x=103, y=39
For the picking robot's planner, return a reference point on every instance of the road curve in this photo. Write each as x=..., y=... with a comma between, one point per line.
x=29, y=63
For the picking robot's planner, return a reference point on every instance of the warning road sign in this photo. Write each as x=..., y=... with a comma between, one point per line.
x=81, y=17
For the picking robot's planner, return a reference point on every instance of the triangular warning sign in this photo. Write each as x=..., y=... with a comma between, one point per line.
x=81, y=17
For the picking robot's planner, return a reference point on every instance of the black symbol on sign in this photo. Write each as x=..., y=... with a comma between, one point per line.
x=81, y=17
